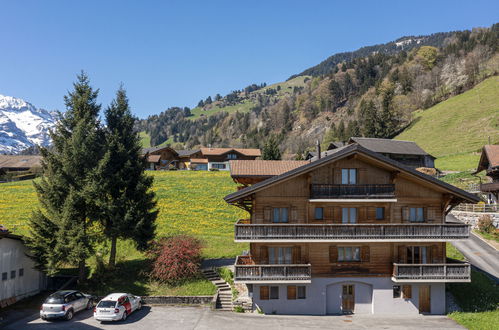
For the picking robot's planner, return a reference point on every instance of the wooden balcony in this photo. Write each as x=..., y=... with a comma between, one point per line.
x=246, y=271
x=421, y=232
x=452, y=272
x=491, y=186
x=352, y=191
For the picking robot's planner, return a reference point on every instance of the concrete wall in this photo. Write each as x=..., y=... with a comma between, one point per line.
x=12, y=259
x=373, y=295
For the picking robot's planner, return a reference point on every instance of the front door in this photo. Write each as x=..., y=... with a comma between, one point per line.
x=424, y=299
x=348, y=298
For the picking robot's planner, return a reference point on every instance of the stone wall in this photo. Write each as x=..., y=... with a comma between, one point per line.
x=472, y=218
x=177, y=300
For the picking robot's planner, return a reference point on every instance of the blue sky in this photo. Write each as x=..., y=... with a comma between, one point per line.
x=173, y=53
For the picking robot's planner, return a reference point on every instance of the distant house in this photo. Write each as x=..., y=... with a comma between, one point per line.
x=218, y=158
x=18, y=278
x=248, y=172
x=489, y=162
x=186, y=157
x=405, y=152
x=19, y=163
x=161, y=158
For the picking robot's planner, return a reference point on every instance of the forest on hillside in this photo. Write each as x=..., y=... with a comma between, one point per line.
x=372, y=95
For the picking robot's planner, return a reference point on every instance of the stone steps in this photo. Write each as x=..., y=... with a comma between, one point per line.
x=224, y=301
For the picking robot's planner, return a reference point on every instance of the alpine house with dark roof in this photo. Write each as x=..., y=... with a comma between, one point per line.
x=352, y=232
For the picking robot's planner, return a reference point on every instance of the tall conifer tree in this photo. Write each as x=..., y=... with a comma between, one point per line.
x=271, y=149
x=125, y=201
x=59, y=229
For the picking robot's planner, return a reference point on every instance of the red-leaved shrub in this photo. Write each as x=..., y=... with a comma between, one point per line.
x=175, y=259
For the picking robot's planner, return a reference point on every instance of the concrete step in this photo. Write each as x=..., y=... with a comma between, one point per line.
x=224, y=288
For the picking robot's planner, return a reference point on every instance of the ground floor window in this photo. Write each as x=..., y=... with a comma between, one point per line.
x=218, y=166
x=302, y=292
x=396, y=291
x=407, y=291
x=274, y=292
x=296, y=292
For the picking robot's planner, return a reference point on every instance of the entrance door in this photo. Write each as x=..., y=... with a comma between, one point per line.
x=348, y=298
x=424, y=299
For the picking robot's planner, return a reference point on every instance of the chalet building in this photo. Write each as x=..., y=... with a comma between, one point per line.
x=19, y=163
x=18, y=277
x=161, y=158
x=352, y=232
x=489, y=162
x=405, y=152
x=219, y=158
x=186, y=157
x=248, y=172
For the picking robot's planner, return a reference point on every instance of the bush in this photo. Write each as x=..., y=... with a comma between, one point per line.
x=214, y=169
x=175, y=259
x=239, y=309
x=485, y=224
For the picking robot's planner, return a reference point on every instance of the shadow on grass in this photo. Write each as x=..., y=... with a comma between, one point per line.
x=478, y=296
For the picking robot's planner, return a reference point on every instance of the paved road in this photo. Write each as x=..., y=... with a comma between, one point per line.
x=479, y=253
x=201, y=318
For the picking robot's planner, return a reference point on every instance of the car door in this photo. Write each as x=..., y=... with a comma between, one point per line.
x=127, y=304
x=80, y=301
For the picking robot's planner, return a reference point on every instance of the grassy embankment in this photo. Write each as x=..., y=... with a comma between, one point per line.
x=189, y=203
x=455, y=130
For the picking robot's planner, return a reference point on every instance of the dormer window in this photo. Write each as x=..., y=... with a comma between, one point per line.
x=348, y=176
x=231, y=156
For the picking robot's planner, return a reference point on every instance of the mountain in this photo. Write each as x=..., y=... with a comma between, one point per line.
x=22, y=125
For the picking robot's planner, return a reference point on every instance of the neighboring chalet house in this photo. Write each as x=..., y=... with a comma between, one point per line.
x=19, y=163
x=352, y=232
x=248, y=172
x=186, y=157
x=489, y=162
x=405, y=152
x=161, y=158
x=219, y=157
x=18, y=277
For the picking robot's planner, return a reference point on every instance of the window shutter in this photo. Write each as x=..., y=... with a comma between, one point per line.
x=431, y=214
x=402, y=254
x=267, y=214
x=264, y=254
x=405, y=213
x=362, y=214
x=362, y=176
x=407, y=291
x=371, y=213
x=434, y=257
x=337, y=214
x=328, y=213
x=333, y=254
x=365, y=253
x=294, y=214
x=296, y=254
x=264, y=293
x=291, y=292
x=337, y=175
x=425, y=213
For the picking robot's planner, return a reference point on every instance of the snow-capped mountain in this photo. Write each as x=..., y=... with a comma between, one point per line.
x=22, y=125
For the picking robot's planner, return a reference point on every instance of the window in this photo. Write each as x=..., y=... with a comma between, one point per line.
x=417, y=255
x=416, y=214
x=231, y=156
x=280, y=255
x=280, y=214
x=21, y=272
x=396, y=291
x=349, y=215
x=380, y=213
x=319, y=213
x=264, y=293
x=12, y=274
x=218, y=166
x=407, y=291
x=349, y=253
x=348, y=176
x=274, y=292
x=302, y=292
x=4, y=276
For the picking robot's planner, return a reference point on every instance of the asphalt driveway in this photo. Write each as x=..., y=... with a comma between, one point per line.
x=172, y=317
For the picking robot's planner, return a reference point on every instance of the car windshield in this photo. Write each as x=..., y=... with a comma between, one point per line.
x=106, y=304
x=55, y=298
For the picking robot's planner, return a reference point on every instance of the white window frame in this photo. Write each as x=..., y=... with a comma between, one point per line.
x=349, y=215
x=349, y=253
x=348, y=176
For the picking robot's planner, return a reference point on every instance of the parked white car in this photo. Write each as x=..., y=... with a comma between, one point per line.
x=117, y=306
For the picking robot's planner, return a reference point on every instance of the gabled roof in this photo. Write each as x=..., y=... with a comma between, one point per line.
x=263, y=168
x=221, y=151
x=339, y=154
x=153, y=158
x=388, y=146
x=154, y=149
x=489, y=157
x=186, y=153
x=20, y=161
x=334, y=145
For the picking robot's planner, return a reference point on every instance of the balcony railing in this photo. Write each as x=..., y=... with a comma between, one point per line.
x=249, y=272
x=364, y=191
x=477, y=208
x=455, y=272
x=345, y=232
x=491, y=186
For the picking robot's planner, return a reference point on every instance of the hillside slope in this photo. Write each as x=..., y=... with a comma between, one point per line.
x=456, y=129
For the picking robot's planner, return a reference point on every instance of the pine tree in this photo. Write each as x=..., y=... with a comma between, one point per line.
x=271, y=149
x=59, y=228
x=125, y=202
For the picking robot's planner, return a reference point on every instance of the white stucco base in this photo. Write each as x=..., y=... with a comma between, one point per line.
x=373, y=295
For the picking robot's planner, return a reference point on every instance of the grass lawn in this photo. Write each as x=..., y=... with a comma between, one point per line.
x=190, y=202
x=453, y=253
x=245, y=106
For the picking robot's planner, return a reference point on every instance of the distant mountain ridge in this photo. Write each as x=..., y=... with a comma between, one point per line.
x=22, y=125
x=401, y=44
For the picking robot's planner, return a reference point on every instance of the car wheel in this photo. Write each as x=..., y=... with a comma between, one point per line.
x=69, y=315
x=89, y=304
x=123, y=318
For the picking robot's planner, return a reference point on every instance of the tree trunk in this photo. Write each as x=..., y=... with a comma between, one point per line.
x=112, y=254
x=82, y=271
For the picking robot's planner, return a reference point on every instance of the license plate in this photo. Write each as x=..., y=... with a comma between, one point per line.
x=104, y=311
